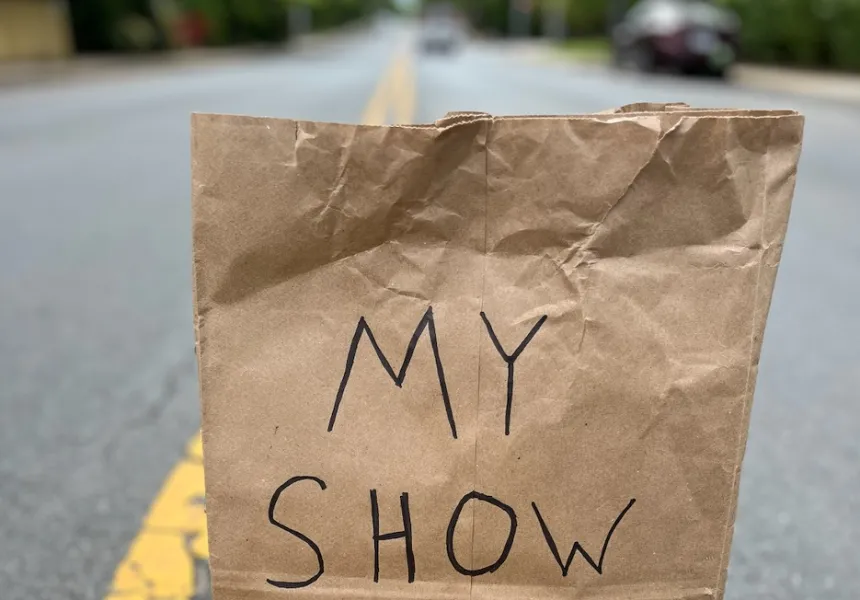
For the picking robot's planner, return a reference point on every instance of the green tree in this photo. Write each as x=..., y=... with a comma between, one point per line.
x=800, y=32
x=98, y=24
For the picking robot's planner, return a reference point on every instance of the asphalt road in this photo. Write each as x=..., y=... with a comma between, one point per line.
x=97, y=375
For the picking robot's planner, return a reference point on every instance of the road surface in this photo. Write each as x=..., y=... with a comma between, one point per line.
x=98, y=389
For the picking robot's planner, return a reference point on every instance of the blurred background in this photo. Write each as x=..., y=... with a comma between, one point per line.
x=803, y=33
x=101, y=486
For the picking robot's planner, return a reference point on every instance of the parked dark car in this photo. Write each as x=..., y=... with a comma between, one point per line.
x=686, y=36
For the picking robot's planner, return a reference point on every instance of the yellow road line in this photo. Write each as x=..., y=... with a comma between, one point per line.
x=403, y=89
x=168, y=558
x=376, y=112
x=394, y=95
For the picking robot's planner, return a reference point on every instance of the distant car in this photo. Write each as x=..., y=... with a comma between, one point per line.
x=439, y=37
x=441, y=28
x=686, y=36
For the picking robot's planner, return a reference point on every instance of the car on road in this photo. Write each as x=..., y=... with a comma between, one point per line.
x=684, y=36
x=442, y=29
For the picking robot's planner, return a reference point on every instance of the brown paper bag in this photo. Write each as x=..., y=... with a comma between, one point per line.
x=489, y=358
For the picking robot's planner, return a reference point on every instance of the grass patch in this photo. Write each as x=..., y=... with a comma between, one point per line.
x=591, y=49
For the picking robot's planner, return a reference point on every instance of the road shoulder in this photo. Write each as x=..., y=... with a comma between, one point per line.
x=824, y=85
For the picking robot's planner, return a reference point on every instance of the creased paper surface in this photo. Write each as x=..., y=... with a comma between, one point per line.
x=486, y=358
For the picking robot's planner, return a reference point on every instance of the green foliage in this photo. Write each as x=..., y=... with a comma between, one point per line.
x=327, y=14
x=808, y=33
x=244, y=21
x=135, y=33
x=586, y=17
x=590, y=49
x=486, y=15
x=843, y=36
x=106, y=25
x=799, y=32
x=101, y=25
x=257, y=21
x=583, y=17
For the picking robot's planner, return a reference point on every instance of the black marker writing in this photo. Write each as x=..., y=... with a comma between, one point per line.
x=406, y=534
x=577, y=547
x=510, y=359
x=272, y=504
x=452, y=526
x=363, y=328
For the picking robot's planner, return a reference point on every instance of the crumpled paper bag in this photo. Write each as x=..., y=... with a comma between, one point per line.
x=490, y=357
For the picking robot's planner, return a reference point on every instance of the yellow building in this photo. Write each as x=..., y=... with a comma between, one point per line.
x=34, y=29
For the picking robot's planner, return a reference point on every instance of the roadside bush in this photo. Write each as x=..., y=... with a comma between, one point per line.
x=263, y=21
x=809, y=33
x=103, y=25
x=843, y=36
x=587, y=17
x=240, y=21
x=326, y=14
x=124, y=25
x=583, y=17
x=135, y=33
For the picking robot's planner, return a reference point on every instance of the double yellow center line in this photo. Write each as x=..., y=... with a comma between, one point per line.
x=168, y=557
x=394, y=98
